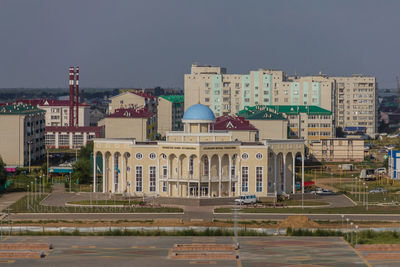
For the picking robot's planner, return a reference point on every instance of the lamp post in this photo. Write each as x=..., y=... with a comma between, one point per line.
x=342, y=220
x=27, y=199
x=351, y=227
x=274, y=194
x=347, y=228
x=331, y=179
x=29, y=156
x=359, y=190
x=366, y=192
x=356, y=234
x=364, y=195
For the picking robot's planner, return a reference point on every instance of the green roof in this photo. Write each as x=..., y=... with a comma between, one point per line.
x=174, y=98
x=290, y=109
x=19, y=109
x=257, y=113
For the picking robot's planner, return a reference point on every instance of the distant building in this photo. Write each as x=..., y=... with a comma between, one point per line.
x=337, y=150
x=22, y=129
x=393, y=163
x=170, y=113
x=133, y=99
x=130, y=123
x=270, y=124
x=57, y=111
x=71, y=137
x=240, y=128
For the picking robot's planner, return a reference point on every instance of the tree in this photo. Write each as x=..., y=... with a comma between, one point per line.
x=82, y=168
x=3, y=173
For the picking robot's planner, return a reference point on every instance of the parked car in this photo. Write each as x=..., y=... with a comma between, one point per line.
x=246, y=199
x=380, y=170
x=378, y=190
x=325, y=192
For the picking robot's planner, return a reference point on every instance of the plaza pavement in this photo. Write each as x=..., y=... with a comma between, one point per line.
x=159, y=251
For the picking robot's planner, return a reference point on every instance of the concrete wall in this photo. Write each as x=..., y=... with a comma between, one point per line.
x=270, y=129
x=125, y=128
x=164, y=118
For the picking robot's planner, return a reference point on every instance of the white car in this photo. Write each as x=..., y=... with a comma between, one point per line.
x=380, y=170
x=246, y=199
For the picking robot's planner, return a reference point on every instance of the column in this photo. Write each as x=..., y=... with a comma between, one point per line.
x=239, y=179
x=168, y=170
x=178, y=177
x=113, y=173
x=104, y=173
x=302, y=173
x=284, y=173
x=56, y=140
x=275, y=174
x=94, y=172
x=157, y=176
x=122, y=176
x=199, y=175
x=294, y=174
x=209, y=176
x=219, y=176
x=230, y=176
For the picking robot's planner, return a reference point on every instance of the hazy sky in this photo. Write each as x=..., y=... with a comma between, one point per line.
x=148, y=43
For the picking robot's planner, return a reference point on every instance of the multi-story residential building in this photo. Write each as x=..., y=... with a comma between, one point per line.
x=66, y=137
x=229, y=93
x=133, y=99
x=130, y=123
x=356, y=98
x=171, y=112
x=57, y=111
x=337, y=149
x=22, y=134
x=304, y=122
x=270, y=124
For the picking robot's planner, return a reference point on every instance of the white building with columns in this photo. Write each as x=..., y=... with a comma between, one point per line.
x=197, y=162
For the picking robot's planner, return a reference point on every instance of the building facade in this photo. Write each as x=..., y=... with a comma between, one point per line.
x=357, y=104
x=136, y=123
x=229, y=93
x=57, y=111
x=133, y=99
x=337, y=150
x=171, y=112
x=66, y=137
x=197, y=162
x=22, y=134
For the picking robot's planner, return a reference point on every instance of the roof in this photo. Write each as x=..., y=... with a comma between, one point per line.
x=46, y=102
x=131, y=113
x=73, y=129
x=19, y=109
x=296, y=109
x=174, y=98
x=260, y=113
x=146, y=95
x=199, y=112
x=233, y=123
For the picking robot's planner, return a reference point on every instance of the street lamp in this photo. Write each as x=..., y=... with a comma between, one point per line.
x=351, y=227
x=359, y=190
x=356, y=234
x=347, y=228
x=342, y=220
x=332, y=179
x=364, y=195
x=29, y=155
x=366, y=191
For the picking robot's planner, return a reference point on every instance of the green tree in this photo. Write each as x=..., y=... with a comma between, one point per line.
x=82, y=169
x=3, y=173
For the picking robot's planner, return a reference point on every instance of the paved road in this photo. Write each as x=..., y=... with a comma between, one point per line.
x=159, y=251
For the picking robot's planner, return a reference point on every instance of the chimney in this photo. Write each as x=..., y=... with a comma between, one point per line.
x=77, y=96
x=71, y=96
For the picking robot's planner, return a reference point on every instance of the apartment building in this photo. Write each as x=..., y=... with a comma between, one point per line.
x=229, y=93
x=130, y=123
x=133, y=99
x=67, y=137
x=337, y=150
x=22, y=134
x=356, y=99
x=57, y=111
x=171, y=112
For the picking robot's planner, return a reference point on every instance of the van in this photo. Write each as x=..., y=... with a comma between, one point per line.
x=246, y=199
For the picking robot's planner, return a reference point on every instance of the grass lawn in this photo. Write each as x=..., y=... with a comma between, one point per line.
x=306, y=203
x=341, y=210
x=21, y=206
x=105, y=202
x=371, y=237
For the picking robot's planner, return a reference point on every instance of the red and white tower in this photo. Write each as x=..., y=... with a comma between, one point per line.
x=71, y=96
x=77, y=96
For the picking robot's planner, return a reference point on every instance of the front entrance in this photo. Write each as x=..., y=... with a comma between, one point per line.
x=193, y=190
x=204, y=190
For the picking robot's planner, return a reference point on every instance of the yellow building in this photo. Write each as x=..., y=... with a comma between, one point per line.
x=197, y=162
x=337, y=150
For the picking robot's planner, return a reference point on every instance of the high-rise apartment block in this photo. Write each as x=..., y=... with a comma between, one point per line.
x=229, y=93
x=356, y=98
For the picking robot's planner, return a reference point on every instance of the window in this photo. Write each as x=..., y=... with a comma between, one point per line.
x=246, y=85
x=205, y=166
x=206, y=99
x=247, y=100
x=139, y=156
x=259, y=156
x=152, y=155
x=63, y=139
x=233, y=187
x=245, y=179
x=139, y=178
x=164, y=171
x=191, y=160
x=233, y=170
x=164, y=186
x=245, y=156
x=259, y=179
x=152, y=178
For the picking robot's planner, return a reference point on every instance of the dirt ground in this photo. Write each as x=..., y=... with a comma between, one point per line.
x=296, y=221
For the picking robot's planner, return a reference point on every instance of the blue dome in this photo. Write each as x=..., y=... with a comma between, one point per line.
x=199, y=112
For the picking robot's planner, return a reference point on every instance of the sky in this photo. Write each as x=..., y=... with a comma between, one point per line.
x=148, y=43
